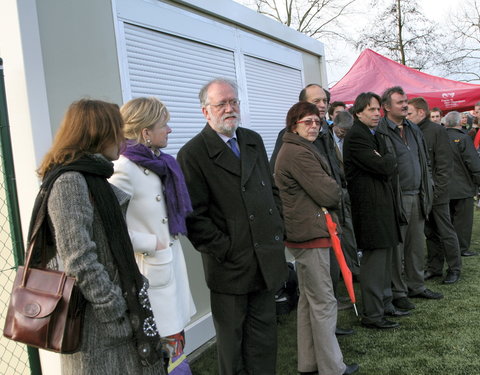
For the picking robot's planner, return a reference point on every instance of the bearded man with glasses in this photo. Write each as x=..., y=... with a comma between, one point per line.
x=237, y=226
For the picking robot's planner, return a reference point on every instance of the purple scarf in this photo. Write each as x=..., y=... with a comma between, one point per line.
x=175, y=189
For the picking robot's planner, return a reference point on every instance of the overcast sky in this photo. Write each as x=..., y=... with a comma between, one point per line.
x=437, y=10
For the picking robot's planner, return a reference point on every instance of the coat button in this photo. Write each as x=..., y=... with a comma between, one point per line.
x=158, y=197
x=256, y=245
x=277, y=238
x=243, y=188
x=146, y=171
x=164, y=220
x=270, y=211
x=251, y=217
x=262, y=183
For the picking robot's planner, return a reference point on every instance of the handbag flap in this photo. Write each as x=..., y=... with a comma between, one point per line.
x=34, y=303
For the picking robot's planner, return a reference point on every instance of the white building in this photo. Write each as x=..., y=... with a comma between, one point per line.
x=57, y=51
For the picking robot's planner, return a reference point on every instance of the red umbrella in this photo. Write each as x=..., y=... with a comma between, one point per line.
x=337, y=248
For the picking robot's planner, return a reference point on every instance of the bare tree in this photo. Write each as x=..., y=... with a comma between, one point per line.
x=401, y=32
x=315, y=18
x=461, y=55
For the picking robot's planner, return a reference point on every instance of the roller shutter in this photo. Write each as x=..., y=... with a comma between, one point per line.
x=174, y=69
x=272, y=89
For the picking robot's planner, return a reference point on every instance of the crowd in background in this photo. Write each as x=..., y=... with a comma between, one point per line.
x=386, y=172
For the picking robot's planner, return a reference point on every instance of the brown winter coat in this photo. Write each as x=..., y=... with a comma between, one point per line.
x=306, y=185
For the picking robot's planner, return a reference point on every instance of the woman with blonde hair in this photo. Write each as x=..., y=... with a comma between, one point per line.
x=155, y=217
x=91, y=240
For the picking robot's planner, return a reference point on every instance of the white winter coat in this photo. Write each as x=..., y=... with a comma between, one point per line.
x=165, y=269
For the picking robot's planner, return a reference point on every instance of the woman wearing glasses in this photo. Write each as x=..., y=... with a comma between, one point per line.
x=306, y=185
x=156, y=215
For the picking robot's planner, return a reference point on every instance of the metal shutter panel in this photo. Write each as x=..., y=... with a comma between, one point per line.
x=272, y=89
x=174, y=70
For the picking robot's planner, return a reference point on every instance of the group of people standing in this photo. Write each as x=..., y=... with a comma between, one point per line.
x=118, y=204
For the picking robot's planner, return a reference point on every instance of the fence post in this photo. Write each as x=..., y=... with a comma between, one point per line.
x=12, y=202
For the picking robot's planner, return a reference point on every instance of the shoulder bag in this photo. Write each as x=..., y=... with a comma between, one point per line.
x=46, y=308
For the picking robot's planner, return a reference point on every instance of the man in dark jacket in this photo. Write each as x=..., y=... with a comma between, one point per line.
x=442, y=242
x=237, y=226
x=464, y=181
x=369, y=167
x=413, y=187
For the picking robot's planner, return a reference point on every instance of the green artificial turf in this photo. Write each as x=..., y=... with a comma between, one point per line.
x=441, y=337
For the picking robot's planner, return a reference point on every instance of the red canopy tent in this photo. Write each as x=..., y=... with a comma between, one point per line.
x=374, y=72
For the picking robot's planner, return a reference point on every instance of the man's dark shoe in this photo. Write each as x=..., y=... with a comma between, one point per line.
x=396, y=313
x=351, y=369
x=451, y=278
x=468, y=253
x=403, y=303
x=428, y=294
x=430, y=275
x=382, y=324
x=344, y=331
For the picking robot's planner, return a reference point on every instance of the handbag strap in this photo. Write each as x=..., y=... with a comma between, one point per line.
x=38, y=222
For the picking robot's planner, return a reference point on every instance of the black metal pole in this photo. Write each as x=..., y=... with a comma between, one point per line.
x=12, y=201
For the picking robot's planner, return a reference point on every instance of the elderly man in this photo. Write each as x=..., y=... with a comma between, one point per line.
x=413, y=186
x=341, y=125
x=369, y=168
x=442, y=242
x=464, y=181
x=237, y=226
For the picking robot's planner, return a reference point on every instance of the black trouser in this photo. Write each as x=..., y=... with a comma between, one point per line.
x=246, y=329
x=375, y=283
x=461, y=213
x=442, y=242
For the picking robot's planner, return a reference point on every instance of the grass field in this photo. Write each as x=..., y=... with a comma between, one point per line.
x=440, y=337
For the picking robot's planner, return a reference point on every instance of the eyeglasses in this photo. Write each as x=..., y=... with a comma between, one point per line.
x=223, y=105
x=309, y=122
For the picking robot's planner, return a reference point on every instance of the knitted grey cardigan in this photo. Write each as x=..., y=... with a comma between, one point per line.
x=107, y=343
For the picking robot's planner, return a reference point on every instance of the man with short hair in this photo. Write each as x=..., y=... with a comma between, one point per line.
x=436, y=115
x=476, y=111
x=237, y=226
x=442, y=242
x=335, y=108
x=315, y=94
x=476, y=120
x=464, y=181
x=413, y=186
x=369, y=168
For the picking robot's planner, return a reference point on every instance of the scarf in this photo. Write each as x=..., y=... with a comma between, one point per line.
x=175, y=190
x=96, y=170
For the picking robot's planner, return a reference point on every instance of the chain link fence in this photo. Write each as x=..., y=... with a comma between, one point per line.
x=14, y=358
